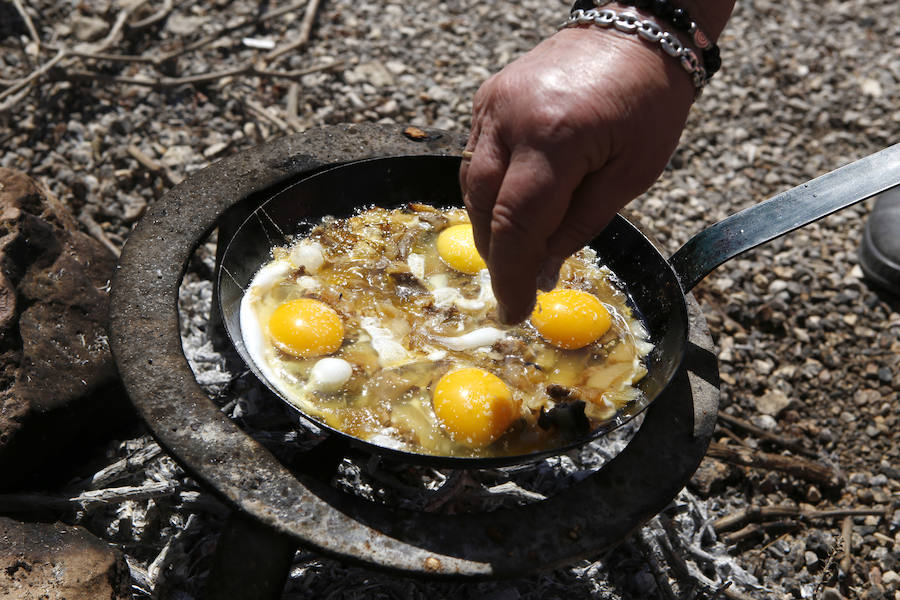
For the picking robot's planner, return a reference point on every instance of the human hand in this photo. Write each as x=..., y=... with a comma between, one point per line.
x=561, y=139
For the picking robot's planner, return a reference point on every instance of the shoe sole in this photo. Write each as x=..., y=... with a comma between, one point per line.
x=878, y=268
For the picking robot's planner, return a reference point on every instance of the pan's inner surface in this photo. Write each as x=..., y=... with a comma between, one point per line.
x=396, y=181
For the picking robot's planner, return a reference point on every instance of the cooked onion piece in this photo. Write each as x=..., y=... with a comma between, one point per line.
x=412, y=315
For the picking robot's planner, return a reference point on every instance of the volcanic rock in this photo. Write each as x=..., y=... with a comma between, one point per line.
x=56, y=561
x=58, y=383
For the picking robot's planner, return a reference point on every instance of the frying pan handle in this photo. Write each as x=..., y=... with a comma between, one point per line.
x=784, y=213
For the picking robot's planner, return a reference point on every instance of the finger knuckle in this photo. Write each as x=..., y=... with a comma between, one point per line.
x=507, y=223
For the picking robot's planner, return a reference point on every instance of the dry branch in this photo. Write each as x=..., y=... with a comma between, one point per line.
x=802, y=468
x=152, y=166
x=115, y=495
x=754, y=529
x=847, y=537
x=126, y=466
x=94, y=229
x=156, y=17
x=28, y=24
x=116, y=30
x=14, y=90
x=21, y=83
x=167, y=82
x=229, y=29
x=292, y=108
x=260, y=111
x=13, y=503
x=794, y=445
x=312, y=6
x=761, y=513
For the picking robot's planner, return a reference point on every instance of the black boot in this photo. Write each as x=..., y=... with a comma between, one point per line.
x=879, y=252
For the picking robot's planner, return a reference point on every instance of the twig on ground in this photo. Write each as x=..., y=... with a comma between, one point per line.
x=128, y=58
x=733, y=436
x=826, y=574
x=94, y=229
x=126, y=466
x=754, y=529
x=139, y=575
x=116, y=30
x=15, y=99
x=653, y=553
x=229, y=29
x=292, y=107
x=309, y=16
x=13, y=503
x=115, y=495
x=262, y=113
x=165, y=82
x=798, y=467
x=847, y=540
x=684, y=570
x=152, y=166
x=760, y=513
x=791, y=444
x=28, y=24
x=156, y=17
x=18, y=85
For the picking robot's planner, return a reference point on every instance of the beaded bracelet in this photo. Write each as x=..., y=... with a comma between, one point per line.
x=628, y=22
x=678, y=17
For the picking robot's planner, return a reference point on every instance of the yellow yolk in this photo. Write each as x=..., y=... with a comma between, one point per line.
x=570, y=319
x=306, y=328
x=474, y=406
x=456, y=245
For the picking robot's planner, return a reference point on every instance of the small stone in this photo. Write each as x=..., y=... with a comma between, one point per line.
x=184, y=24
x=373, y=72
x=890, y=579
x=176, y=156
x=811, y=558
x=830, y=593
x=214, y=149
x=813, y=495
x=773, y=403
x=89, y=29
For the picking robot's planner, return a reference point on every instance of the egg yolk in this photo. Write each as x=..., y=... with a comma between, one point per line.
x=474, y=406
x=570, y=319
x=306, y=328
x=456, y=246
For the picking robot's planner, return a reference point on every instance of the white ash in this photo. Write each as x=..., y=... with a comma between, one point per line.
x=453, y=491
x=805, y=87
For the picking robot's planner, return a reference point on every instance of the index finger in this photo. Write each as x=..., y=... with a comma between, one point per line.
x=531, y=203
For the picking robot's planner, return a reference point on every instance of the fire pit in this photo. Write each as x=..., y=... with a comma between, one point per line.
x=277, y=510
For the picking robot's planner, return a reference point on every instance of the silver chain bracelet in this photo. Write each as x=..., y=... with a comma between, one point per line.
x=629, y=22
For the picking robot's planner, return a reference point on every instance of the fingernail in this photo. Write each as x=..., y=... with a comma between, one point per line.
x=508, y=318
x=548, y=274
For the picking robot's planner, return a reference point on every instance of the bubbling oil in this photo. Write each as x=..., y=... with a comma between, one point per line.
x=409, y=318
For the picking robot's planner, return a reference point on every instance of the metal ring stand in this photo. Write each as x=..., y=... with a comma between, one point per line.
x=276, y=511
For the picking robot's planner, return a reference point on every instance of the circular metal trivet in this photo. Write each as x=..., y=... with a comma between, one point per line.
x=591, y=516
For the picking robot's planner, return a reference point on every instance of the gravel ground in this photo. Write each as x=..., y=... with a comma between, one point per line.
x=807, y=349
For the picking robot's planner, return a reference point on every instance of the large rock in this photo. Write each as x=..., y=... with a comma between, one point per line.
x=56, y=562
x=58, y=384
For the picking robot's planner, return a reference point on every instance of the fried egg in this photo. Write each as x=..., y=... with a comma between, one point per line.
x=570, y=319
x=474, y=406
x=383, y=325
x=306, y=328
x=456, y=246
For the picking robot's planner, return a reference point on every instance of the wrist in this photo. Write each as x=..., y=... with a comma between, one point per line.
x=618, y=52
x=650, y=33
